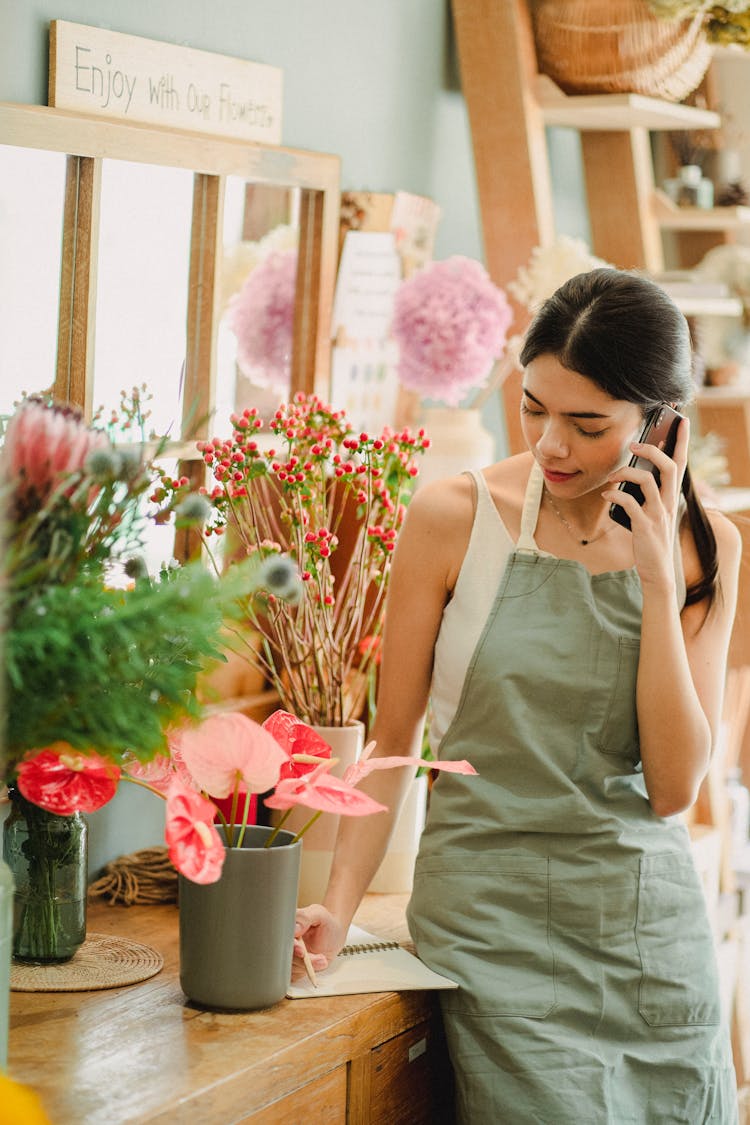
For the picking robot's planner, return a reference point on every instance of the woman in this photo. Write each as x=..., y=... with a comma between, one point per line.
x=579, y=666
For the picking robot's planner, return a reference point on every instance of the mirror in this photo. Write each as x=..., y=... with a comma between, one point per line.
x=143, y=266
x=32, y=191
x=123, y=247
x=258, y=278
x=153, y=221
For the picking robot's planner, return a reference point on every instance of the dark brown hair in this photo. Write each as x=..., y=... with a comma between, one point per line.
x=624, y=333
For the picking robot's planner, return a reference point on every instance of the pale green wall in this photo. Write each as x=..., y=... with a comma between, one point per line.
x=368, y=80
x=373, y=81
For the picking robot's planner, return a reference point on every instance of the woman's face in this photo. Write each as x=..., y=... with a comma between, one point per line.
x=576, y=431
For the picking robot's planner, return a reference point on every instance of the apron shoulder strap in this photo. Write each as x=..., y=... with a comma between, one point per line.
x=531, y=503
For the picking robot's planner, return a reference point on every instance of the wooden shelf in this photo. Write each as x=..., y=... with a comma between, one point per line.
x=708, y=306
x=672, y=217
x=722, y=396
x=617, y=112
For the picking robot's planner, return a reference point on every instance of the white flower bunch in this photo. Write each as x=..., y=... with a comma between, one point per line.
x=549, y=267
x=683, y=9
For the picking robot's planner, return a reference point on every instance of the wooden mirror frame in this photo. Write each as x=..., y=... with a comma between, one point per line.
x=86, y=141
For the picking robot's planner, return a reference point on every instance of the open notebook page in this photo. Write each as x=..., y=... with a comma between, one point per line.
x=369, y=964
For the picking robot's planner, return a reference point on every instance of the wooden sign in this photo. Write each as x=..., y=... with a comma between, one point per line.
x=93, y=70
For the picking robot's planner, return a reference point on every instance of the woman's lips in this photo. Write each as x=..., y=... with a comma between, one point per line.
x=557, y=478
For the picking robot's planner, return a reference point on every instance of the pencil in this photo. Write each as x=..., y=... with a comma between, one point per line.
x=306, y=960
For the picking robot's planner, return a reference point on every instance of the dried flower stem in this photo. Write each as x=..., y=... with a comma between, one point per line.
x=323, y=481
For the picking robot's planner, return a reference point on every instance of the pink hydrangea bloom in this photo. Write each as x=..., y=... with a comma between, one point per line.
x=261, y=316
x=450, y=322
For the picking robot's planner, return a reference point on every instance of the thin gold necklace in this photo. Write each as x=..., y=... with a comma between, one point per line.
x=571, y=530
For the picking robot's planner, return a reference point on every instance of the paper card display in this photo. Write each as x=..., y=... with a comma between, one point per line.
x=364, y=383
x=369, y=274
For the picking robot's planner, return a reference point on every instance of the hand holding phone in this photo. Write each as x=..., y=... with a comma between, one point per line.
x=660, y=430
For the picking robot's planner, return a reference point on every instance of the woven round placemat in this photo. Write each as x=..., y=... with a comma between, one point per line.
x=103, y=961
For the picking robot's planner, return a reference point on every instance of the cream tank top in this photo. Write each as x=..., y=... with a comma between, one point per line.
x=465, y=615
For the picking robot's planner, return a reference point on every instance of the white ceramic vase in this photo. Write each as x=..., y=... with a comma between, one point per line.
x=318, y=842
x=458, y=441
x=395, y=875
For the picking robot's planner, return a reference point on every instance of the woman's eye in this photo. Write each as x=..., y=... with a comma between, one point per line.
x=527, y=410
x=591, y=433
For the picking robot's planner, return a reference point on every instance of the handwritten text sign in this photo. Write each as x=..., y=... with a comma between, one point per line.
x=93, y=70
x=369, y=275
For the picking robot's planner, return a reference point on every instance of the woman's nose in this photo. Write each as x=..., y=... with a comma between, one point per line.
x=552, y=441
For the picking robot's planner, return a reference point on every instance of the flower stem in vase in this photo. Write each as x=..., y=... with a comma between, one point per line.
x=48, y=857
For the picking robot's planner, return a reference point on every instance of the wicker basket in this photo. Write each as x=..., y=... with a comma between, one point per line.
x=619, y=46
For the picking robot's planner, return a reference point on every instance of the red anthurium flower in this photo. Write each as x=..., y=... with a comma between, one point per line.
x=321, y=790
x=63, y=780
x=195, y=847
x=296, y=738
x=226, y=749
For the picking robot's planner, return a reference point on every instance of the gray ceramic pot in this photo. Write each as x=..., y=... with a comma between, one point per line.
x=236, y=935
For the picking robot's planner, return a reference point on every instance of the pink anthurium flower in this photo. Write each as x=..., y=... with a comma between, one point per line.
x=322, y=791
x=64, y=781
x=367, y=764
x=299, y=741
x=226, y=750
x=157, y=774
x=195, y=847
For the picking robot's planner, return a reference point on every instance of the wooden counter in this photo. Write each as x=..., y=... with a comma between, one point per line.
x=143, y=1054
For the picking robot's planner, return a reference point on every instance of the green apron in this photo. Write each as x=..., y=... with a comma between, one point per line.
x=570, y=914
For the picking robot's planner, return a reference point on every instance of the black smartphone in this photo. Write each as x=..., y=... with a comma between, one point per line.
x=660, y=430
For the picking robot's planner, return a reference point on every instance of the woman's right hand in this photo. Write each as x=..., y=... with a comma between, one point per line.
x=321, y=933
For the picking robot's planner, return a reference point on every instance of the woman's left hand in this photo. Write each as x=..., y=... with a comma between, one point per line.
x=653, y=523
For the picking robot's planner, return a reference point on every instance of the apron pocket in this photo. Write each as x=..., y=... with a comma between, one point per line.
x=619, y=732
x=679, y=981
x=484, y=921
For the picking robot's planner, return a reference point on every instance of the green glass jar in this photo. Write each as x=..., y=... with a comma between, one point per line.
x=47, y=856
x=6, y=935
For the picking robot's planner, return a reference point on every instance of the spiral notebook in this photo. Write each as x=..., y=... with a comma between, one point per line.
x=369, y=964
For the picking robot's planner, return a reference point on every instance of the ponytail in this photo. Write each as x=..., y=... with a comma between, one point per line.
x=707, y=585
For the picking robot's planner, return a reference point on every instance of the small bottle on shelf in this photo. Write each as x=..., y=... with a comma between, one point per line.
x=690, y=188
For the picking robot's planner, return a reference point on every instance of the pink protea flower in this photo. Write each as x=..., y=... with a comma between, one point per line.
x=450, y=322
x=42, y=446
x=195, y=847
x=261, y=316
x=229, y=751
x=63, y=781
